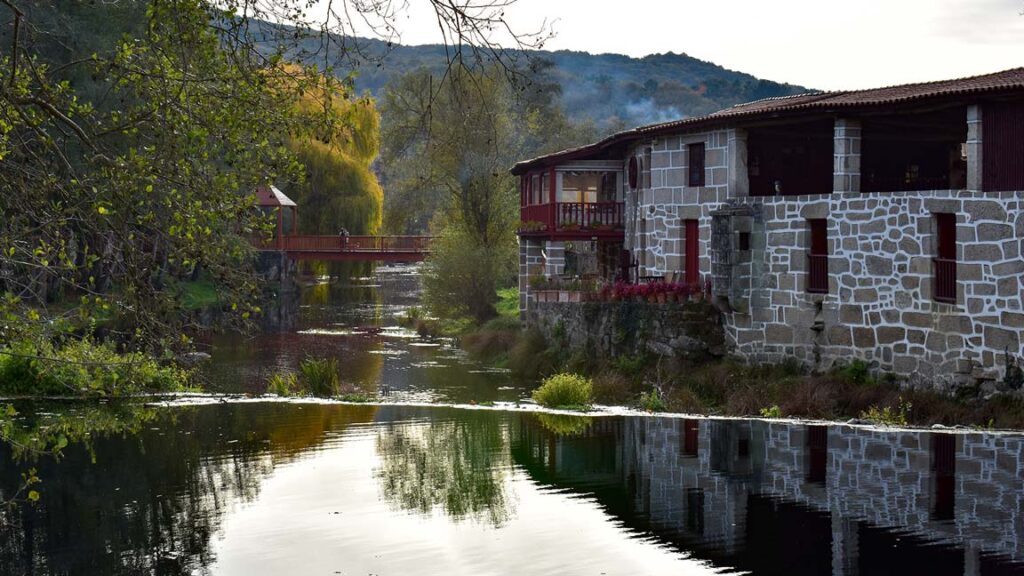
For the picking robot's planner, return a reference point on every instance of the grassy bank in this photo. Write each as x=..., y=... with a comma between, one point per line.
x=727, y=386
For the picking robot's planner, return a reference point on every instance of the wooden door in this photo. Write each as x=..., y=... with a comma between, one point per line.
x=692, y=263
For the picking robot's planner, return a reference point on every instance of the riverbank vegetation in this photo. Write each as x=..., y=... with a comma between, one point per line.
x=726, y=386
x=133, y=136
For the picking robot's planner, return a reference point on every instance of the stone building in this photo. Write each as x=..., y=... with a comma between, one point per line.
x=885, y=225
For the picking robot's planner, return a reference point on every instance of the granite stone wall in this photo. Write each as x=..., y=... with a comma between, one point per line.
x=880, y=306
x=691, y=330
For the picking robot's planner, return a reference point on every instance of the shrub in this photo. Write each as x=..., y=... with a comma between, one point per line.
x=889, y=415
x=610, y=387
x=652, y=401
x=564, y=391
x=84, y=367
x=530, y=357
x=320, y=377
x=856, y=372
x=284, y=385
x=631, y=365
x=772, y=411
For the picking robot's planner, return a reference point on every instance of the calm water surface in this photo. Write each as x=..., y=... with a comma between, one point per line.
x=280, y=488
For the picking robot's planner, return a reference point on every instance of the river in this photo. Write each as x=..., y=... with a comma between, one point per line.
x=252, y=487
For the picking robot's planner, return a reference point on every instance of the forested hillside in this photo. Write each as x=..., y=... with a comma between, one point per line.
x=610, y=89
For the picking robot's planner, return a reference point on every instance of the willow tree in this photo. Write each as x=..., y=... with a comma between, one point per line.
x=339, y=188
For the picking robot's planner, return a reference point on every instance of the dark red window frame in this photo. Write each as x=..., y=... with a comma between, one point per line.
x=817, y=256
x=695, y=154
x=944, y=286
x=692, y=251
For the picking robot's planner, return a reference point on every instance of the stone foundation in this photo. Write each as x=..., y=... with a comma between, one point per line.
x=691, y=330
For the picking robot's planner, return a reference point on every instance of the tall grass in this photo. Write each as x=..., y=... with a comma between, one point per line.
x=320, y=376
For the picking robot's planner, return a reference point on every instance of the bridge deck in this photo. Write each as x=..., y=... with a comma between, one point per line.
x=354, y=248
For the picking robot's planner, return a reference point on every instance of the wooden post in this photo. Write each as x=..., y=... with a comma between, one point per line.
x=280, y=228
x=553, y=199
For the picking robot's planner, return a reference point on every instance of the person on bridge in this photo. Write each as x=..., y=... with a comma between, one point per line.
x=344, y=238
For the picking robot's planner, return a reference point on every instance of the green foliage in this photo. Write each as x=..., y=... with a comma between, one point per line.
x=130, y=154
x=889, y=415
x=449, y=142
x=460, y=277
x=284, y=385
x=772, y=411
x=564, y=391
x=357, y=398
x=631, y=366
x=856, y=372
x=320, y=376
x=651, y=401
x=508, y=302
x=198, y=294
x=83, y=368
x=339, y=189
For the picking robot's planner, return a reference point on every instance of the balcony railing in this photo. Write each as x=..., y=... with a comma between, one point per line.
x=944, y=286
x=572, y=216
x=817, y=273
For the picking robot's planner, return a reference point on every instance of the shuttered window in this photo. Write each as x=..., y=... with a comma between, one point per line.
x=1002, y=141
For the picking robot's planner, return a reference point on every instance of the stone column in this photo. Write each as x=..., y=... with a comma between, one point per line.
x=739, y=178
x=554, y=259
x=531, y=261
x=846, y=154
x=974, y=148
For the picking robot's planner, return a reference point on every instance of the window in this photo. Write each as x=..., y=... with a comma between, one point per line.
x=817, y=256
x=588, y=187
x=743, y=243
x=535, y=189
x=944, y=288
x=696, y=164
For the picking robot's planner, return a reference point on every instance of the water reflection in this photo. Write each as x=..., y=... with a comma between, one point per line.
x=776, y=498
x=459, y=466
x=285, y=488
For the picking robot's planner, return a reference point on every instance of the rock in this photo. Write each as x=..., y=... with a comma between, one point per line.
x=193, y=358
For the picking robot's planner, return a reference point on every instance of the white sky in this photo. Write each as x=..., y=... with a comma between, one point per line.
x=827, y=44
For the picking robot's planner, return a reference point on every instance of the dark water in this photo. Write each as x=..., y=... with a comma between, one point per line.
x=263, y=488
x=254, y=488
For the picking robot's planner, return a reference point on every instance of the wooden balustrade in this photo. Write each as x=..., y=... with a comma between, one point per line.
x=357, y=243
x=570, y=216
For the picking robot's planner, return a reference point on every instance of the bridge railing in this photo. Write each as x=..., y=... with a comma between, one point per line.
x=335, y=244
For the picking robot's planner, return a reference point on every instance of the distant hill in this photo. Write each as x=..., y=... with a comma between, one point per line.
x=611, y=89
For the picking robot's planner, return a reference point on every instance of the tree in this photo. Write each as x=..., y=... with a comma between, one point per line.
x=130, y=156
x=338, y=188
x=449, y=143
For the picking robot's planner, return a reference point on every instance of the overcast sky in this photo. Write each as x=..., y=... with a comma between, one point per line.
x=825, y=44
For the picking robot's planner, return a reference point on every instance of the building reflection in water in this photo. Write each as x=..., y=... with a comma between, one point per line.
x=779, y=498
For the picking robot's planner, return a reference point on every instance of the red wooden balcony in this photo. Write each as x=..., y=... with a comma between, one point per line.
x=573, y=219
